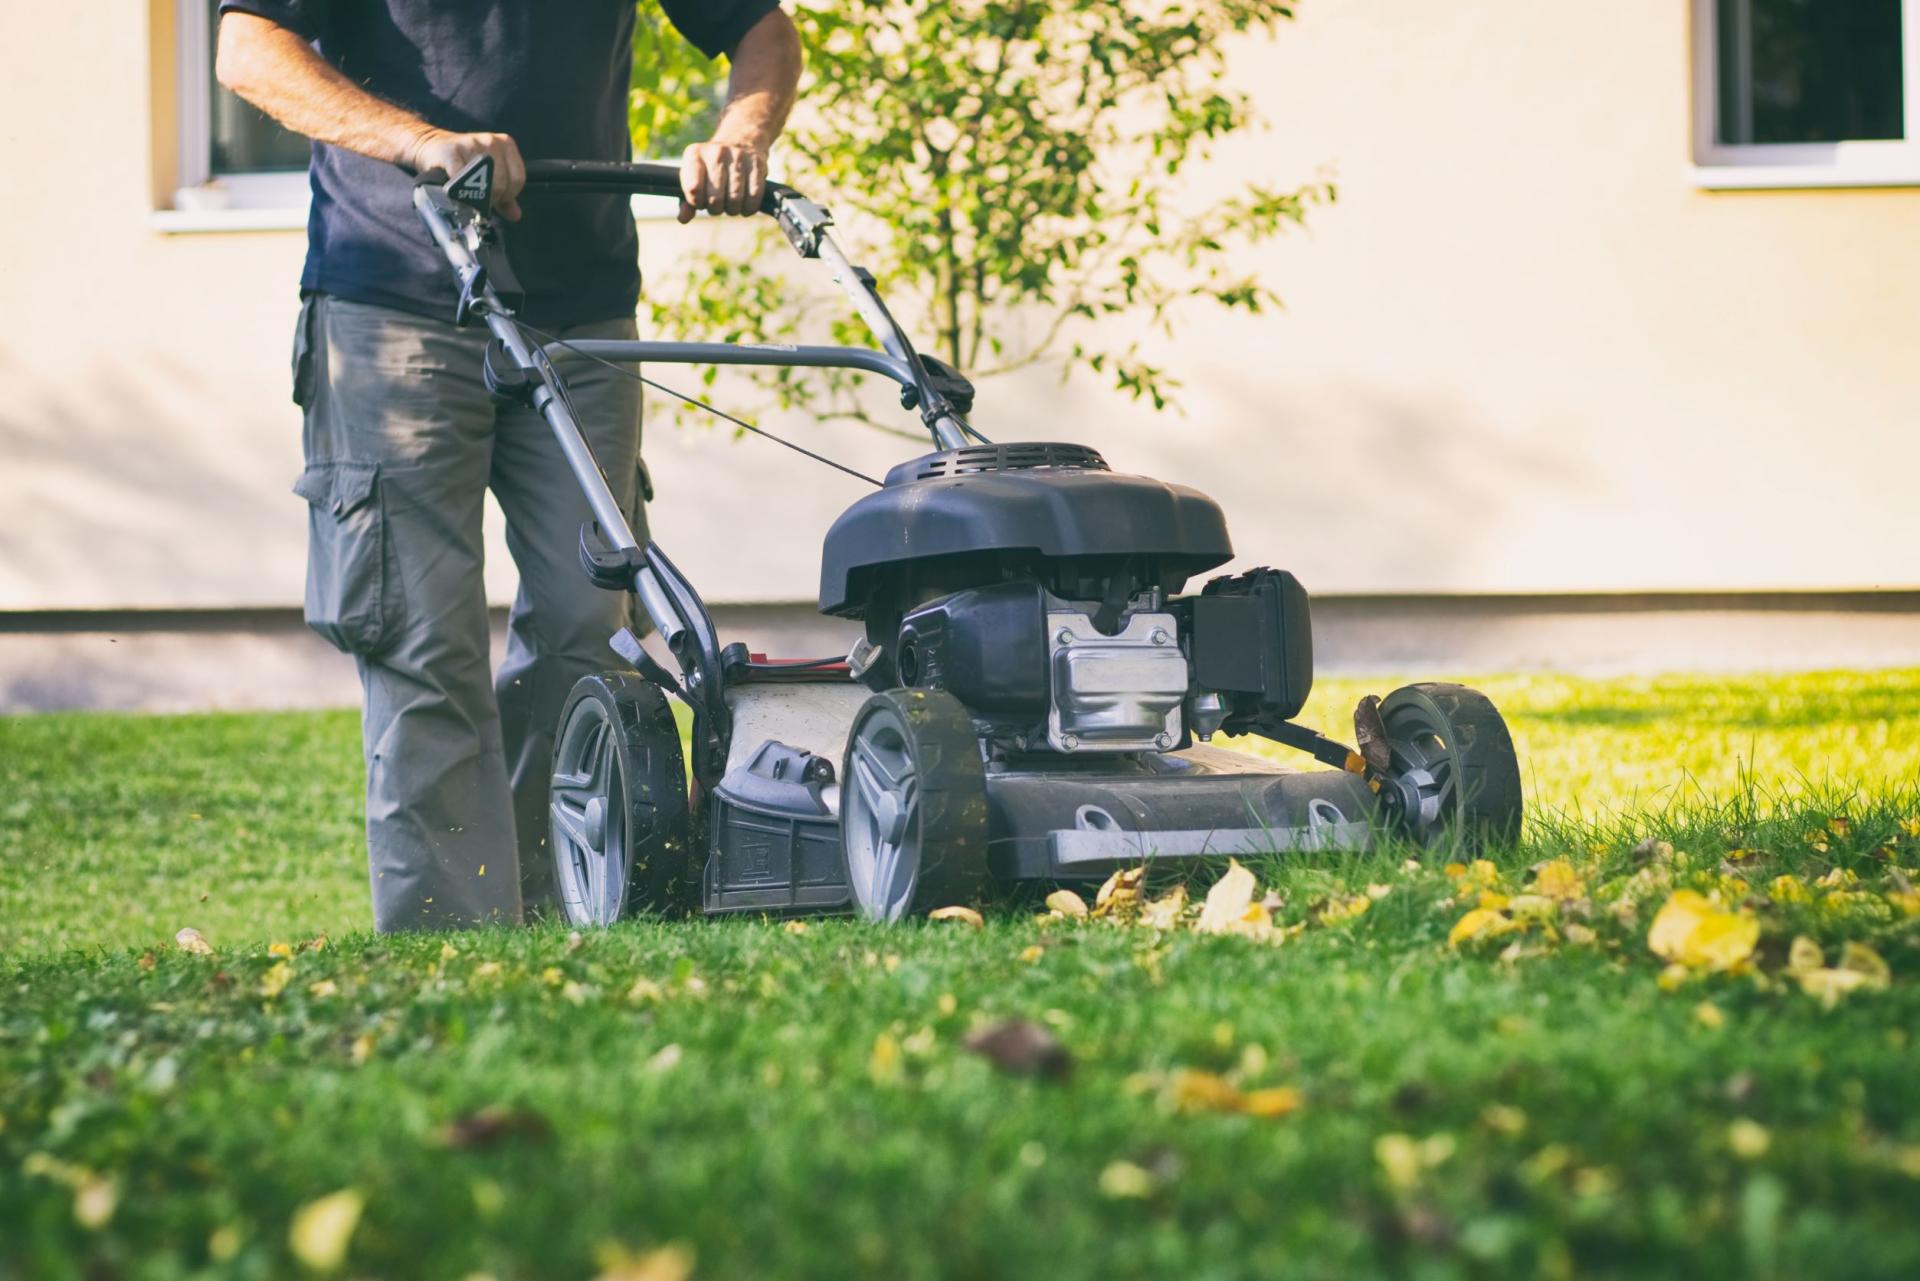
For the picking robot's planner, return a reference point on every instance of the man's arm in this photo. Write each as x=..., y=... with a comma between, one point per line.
x=729, y=174
x=280, y=73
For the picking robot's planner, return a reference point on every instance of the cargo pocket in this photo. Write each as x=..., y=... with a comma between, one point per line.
x=303, y=351
x=346, y=555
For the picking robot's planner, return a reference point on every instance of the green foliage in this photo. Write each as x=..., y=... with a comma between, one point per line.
x=676, y=92
x=1015, y=175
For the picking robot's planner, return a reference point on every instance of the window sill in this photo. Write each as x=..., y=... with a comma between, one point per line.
x=1797, y=177
x=178, y=221
x=1807, y=165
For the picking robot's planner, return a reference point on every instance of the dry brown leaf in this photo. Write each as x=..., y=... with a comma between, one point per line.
x=493, y=1125
x=964, y=915
x=1023, y=1048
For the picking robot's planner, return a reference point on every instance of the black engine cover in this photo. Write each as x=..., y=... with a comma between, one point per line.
x=986, y=646
x=1057, y=501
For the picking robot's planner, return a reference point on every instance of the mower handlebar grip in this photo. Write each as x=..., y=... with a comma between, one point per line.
x=637, y=178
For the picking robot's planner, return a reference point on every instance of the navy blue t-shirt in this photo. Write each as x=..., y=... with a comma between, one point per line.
x=553, y=75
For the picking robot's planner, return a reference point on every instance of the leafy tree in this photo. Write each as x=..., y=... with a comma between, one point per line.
x=1011, y=171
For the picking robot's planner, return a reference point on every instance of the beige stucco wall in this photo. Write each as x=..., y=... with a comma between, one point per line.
x=1522, y=353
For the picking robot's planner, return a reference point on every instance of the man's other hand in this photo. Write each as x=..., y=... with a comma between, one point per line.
x=438, y=149
x=722, y=178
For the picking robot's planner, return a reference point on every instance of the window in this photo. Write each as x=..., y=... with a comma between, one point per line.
x=1806, y=93
x=231, y=156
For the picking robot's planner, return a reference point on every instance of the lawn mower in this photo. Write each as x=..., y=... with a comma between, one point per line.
x=1032, y=698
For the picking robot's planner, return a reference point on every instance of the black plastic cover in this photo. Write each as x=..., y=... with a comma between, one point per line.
x=776, y=846
x=986, y=646
x=1049, y=509
x=1252, y=634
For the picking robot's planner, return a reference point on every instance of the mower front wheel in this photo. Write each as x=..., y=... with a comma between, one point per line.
x=913, y=805
x=619, y=830
x=1455, y=776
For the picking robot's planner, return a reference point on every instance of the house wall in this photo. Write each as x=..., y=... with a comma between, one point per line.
x=1522, y=353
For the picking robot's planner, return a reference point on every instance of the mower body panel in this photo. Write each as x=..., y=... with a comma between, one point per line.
x=1057, y=502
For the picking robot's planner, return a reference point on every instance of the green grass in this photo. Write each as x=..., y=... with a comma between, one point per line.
x=1576, y=1117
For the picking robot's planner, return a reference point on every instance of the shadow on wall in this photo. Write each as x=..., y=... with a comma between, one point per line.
x=1374, y=490
x=141, y=488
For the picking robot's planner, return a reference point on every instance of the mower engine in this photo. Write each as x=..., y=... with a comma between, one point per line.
x=1040, y=672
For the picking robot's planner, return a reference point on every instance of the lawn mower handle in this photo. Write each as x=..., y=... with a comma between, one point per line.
x=635, y=178
x=804, y=224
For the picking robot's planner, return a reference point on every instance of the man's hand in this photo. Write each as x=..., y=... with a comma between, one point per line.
x=729, y=174
x=439, y=149
x=722, y=178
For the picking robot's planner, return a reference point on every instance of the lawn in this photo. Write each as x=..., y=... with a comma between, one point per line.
x=1345, y=1093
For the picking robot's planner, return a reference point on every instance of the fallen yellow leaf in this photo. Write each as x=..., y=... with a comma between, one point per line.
x=1228, y=900
x=1032, y=952
x=1532, y=907
x=964, y=915
x=1788, y=888
x=1556, y=879
x=280, y=949
x=1860, y=967
x=1749, y=1139
x=95, y=1198
x=191, y=940
x=1709, y=1015
x=1272, y=1102
x=323, y=989
x=1693, y=931
x=275, y=980
x=1123, y=1180
x=1066, y=903
x=671, y=1262
x=1340, y=911
x=883, y=1064
x=1119, y=896
x=795, y=927
x=1164, y=913
x=322, y=1229
x=1403, y=1158
x=1481, y=922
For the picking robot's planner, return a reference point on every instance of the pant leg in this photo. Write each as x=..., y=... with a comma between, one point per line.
x=399, y=438
x=560, y=623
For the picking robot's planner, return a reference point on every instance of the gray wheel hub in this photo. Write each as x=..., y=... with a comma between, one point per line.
x=586, y=804
x=880, y=811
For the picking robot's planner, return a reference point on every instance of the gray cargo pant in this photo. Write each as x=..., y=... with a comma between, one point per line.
x=402, y=442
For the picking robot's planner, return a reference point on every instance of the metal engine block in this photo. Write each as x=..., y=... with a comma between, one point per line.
x=1119, y=693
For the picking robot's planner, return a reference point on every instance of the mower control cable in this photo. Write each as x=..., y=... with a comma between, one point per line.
x=555, y=341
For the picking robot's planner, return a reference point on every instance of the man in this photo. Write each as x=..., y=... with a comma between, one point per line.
x=401, y=438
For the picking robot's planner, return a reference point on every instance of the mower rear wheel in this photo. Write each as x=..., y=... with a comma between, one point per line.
x=913, y=805
x=1454, y=775
x=618, y=802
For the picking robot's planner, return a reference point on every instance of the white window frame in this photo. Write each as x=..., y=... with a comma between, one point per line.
x=1865, y=163
x=230, y=201
x=247, y=201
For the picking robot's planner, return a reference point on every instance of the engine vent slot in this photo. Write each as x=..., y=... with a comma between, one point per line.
x=975, y=459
